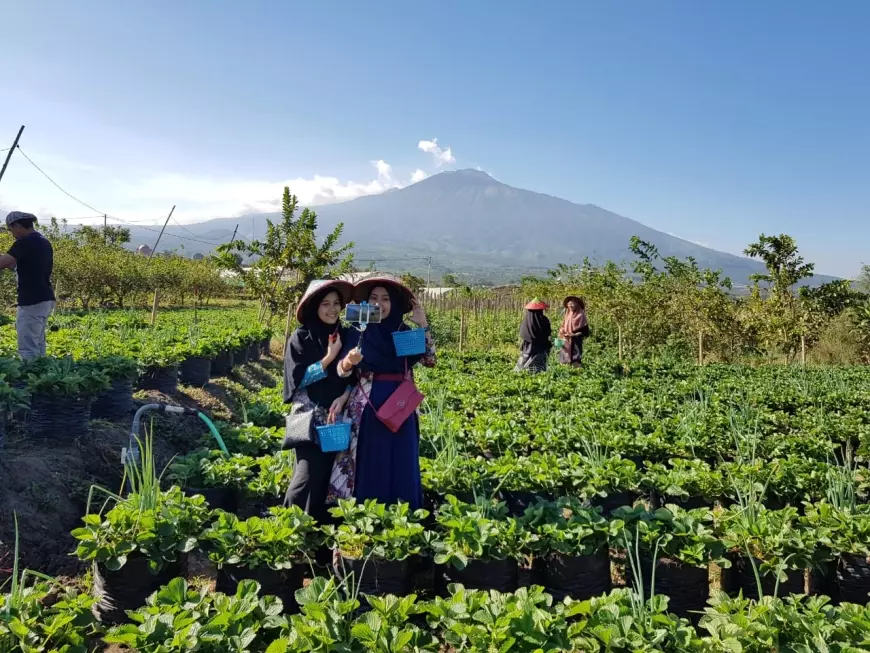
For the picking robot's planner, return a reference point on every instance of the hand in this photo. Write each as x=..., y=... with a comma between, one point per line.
x=334, y=347
x=354, y=357
x=418, y=315
x=336, y=408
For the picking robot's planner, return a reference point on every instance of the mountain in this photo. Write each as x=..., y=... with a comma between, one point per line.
x=467, y=221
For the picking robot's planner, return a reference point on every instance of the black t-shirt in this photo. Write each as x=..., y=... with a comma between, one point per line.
x=35, y=260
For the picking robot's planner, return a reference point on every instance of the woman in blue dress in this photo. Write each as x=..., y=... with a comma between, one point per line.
x=380, y=464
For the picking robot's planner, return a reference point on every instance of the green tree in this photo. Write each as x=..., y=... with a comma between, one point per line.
x=780, y=317
x=287, y=259
x=416, y=284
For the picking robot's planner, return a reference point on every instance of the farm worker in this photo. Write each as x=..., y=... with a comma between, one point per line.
x=314, y=390
x=32, y=258
x=575, y=327
x=535, y=332
x=383, y=460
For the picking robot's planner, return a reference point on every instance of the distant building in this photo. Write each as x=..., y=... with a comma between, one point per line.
x=144, y=250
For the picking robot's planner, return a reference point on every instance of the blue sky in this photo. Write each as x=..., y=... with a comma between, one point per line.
x=713, y=121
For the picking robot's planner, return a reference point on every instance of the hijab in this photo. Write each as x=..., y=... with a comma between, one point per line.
x=536, y=331
x=307, y=346
x=574, y=322
x=378, y=350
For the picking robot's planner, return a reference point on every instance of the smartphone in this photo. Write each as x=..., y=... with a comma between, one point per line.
x=363, y=313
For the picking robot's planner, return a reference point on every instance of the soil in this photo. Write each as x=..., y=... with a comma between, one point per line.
x=47, y=484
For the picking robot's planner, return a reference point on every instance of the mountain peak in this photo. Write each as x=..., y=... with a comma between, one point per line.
x=467, y=173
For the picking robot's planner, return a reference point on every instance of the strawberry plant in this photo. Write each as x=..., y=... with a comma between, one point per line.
x=179, y=619
x=370, y=528
x=160, y=533
x=287, y=537
x=478, y=531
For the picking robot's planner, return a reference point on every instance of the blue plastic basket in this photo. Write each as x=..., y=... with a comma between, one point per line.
x=334, y=437
x=410, y=343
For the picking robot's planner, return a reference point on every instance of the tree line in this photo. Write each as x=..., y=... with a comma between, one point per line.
x=667, y=302
x=92, y=268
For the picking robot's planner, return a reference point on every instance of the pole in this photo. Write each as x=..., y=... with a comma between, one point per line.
x=803, y=350
x=461, y=325
x=160, y=235
x=154, y=307
x=11, y=150
x=619, y=335
x=235, y=231
x=429, y=277
x=700, y=347
x=105, y=228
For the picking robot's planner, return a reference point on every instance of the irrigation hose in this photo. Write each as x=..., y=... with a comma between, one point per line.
x=214, y=431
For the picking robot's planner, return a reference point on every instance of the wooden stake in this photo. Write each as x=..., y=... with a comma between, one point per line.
x=461, y=325
x=287, y=327
x=619, y=334
x=700, y=347
x=803, y=350
x=154, y=307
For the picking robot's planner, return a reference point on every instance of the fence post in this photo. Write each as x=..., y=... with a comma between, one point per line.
x=619, y=335
x=700, y=347
x=803, y=350
x=461, y=325
x=154, y=307
x=287, y=325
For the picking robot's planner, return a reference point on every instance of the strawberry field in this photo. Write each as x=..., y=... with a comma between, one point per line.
x=646, y=505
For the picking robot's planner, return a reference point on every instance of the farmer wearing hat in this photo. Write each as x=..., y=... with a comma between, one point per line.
x=32, y=258
x=535, y=332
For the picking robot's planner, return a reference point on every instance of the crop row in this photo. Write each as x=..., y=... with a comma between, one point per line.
x=179, y=618
x=565, y=544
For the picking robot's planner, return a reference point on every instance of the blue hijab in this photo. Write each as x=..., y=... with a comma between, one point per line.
x=378, y=350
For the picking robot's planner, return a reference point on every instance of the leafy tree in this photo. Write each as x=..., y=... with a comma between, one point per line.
x=110, y=235
x=449, y=281
x=416, y=284
x=288, y=259
x=781, y=320
x=785, y=266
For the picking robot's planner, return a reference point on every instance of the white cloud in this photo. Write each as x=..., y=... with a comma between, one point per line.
x=197, y=197
x=442, y=156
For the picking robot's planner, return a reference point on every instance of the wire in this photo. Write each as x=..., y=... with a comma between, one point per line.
x=102, y=213
x=56, y=185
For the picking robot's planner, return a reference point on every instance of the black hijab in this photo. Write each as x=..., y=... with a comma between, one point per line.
x=378, y=350
x=307, y=346
x=536, y=331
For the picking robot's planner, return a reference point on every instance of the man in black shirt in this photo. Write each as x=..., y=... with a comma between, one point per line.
x=32, y=258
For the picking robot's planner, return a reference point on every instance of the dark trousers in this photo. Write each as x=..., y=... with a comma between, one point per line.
x=310, y=481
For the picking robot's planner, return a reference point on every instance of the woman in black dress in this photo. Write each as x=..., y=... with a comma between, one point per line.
x=535, y=332
x=311, y=382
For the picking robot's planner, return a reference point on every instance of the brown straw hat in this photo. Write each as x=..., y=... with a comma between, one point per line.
x=343, y=288
x=363, y=289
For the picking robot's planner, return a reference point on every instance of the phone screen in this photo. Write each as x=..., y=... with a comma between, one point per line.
x=357, y=313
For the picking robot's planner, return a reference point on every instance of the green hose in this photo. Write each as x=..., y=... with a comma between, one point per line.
x=214, y=432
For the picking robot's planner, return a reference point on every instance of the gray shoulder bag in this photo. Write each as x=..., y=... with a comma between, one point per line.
x=300, y=427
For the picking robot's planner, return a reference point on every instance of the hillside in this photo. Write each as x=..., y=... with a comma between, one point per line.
x=467, y=221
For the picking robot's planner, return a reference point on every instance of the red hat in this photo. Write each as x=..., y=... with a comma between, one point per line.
x=343, y=288
x=536, y=305
x=363, y=289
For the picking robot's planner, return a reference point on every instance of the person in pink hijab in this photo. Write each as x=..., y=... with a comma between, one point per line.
x=575, y=327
